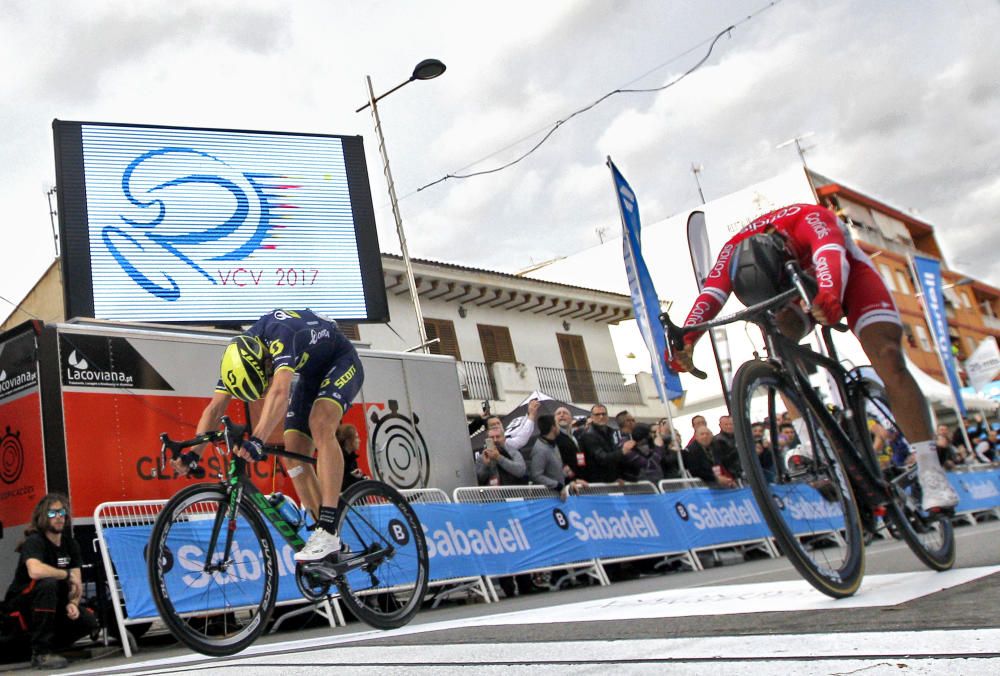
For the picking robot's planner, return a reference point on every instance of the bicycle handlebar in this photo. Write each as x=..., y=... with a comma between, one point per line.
x=231, y=433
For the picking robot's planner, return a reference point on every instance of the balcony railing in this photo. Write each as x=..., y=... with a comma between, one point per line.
x=477, y=381
x=587, y=387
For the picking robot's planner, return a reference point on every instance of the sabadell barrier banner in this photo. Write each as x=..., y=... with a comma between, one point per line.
x=468, y=540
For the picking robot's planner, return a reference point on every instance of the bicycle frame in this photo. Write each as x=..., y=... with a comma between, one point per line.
x=792, y=356
x=236, y=483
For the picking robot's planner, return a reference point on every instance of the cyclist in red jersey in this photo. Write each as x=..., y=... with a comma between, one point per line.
x=848, y=283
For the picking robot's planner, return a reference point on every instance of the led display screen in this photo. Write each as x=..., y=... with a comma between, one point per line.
x=173, y=224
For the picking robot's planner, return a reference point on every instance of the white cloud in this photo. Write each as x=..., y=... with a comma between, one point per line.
x=904, y=104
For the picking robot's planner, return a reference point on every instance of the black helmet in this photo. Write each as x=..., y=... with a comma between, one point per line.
x=757, y=267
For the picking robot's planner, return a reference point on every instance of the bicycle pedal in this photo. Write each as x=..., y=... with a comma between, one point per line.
x=942, y=512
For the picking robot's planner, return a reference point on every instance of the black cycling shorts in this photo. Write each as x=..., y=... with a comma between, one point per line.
x=328, y=367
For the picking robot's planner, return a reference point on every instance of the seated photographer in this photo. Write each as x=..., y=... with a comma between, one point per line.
x=47, y=586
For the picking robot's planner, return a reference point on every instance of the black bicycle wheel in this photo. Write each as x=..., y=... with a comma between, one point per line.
x=809, y=504
x=221, y=610
x=376, y=521
x=931, y=537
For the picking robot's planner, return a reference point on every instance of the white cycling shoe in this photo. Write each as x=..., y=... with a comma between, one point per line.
x=320, y=545
x=937, y=491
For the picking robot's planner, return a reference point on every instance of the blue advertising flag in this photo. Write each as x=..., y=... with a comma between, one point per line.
x=928, y=271
x=644, y=298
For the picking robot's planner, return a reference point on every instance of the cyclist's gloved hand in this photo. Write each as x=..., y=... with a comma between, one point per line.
x=254, y=447
x=826, y=307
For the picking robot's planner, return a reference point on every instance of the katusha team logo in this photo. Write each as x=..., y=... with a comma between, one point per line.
x=11, y=456
x=398, y=450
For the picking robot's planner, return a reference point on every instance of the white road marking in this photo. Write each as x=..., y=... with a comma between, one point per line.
x=877, y=590
x=918, y=652
x=788, y=595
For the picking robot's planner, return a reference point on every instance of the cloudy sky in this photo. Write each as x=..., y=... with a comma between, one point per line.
x=903, y=99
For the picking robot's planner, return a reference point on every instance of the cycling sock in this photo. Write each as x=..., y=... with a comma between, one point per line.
x=327, y=519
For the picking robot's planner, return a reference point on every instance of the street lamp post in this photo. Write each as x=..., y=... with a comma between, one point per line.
x=427, y=69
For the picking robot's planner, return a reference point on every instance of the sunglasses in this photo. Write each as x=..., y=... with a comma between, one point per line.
x=53, y=513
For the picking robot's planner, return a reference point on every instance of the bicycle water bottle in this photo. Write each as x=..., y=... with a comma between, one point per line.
x=288, y=509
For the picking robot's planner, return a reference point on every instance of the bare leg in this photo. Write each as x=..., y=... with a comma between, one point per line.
x=323, y=421
x=303, y=474
x=882, y=342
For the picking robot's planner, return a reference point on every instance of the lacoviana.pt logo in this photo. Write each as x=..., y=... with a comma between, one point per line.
x=78, y=371
x=452, y=540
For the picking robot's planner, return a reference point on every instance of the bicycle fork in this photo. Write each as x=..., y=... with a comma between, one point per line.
x=225, y=515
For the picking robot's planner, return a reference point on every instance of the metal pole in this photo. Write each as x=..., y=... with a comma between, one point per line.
x=414, y=296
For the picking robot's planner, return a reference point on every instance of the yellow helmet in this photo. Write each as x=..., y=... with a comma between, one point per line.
x=242, y=368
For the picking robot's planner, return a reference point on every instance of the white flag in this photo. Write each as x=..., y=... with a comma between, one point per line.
x=984, y=364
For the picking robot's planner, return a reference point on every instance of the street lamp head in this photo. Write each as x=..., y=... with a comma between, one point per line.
x=428, y=69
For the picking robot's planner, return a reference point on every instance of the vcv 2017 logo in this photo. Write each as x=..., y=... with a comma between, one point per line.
x=176, y=210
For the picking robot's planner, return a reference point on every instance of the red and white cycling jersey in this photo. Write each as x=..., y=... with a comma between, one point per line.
x=825, y=250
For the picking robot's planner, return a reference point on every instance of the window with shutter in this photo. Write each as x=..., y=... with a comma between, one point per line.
x=496, y=343
x=444, y=331
x=350, y=329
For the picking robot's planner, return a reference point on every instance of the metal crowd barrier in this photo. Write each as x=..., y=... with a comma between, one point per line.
x=765, y=545
x=491, y=494
x=974, y=516
x=476, y=584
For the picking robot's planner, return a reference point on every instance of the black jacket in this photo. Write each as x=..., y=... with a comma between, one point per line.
x=603, y=457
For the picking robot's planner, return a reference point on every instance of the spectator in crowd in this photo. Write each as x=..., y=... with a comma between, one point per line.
x=724, y=449
x=47, y=585
x=902, y=454
x=519, y=437
x=667, y=442
x=569, y=447
x=696, y=422
x=598, y=444
x=645, y=461
x=497, y=464
x=546, y=461
x=699, y=462
x=984, y=447
x=788, y=438
x=880, y=443
x=974, y=426
x=625, y=422
x=762, y=445
x=478, y=422
x=350, y=444
x=947, y=455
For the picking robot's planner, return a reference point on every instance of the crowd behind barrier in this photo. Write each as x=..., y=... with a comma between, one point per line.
x=486, y=532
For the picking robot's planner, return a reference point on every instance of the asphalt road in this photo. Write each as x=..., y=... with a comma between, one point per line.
x=968, y=606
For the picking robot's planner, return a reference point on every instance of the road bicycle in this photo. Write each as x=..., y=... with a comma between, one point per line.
x=822, y=509
x=214, y=569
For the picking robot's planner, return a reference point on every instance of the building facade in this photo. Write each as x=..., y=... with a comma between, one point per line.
x=889, y=236
x=510, y=335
